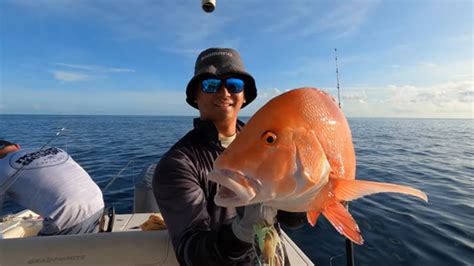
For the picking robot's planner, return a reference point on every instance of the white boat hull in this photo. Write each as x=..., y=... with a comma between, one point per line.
x=125, y=245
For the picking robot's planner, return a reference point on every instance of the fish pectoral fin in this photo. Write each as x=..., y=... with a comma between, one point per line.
x=352, y=189
x=343, y=222
x=312, y=167
x=312, y=217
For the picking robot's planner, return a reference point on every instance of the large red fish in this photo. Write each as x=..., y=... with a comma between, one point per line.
x=296, y=154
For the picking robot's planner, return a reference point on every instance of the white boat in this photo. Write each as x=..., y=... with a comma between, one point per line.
x=126, y=244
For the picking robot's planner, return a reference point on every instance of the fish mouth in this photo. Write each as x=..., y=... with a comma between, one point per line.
x=236, y=189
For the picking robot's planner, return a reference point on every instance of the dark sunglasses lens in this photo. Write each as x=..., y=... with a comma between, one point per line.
x=234, y=85
x=211, y=85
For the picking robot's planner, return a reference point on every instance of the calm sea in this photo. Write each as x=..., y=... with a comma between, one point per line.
x=436, y=156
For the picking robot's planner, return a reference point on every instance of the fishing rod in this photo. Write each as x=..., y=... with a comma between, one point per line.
x=349, y=245
x=337, y=77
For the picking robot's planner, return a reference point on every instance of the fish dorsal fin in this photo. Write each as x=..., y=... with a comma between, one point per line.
x=312, y=217
x=352, y=189
x=343, y=222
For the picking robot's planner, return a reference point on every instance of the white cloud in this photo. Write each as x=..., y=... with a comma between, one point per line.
x=466, y=96
x=420, y=73
x=428, y=64
x=264, y=95
x=78, y=72
x=120, y=70
x=269, y=93
x=453, y=99
x=94, y=68
x=71, y=76
x=420, y=66
x=82, y=67
x=450, y=100
x=354, y=96
x=469, y=76
x=438, y=95
x=187, y=52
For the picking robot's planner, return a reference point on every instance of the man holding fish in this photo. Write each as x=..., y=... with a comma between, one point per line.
x=202, y=232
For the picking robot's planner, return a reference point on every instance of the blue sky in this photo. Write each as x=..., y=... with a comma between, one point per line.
x=397, y=58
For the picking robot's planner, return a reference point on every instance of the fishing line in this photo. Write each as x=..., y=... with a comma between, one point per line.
x=274, y=252
x=116, y=176
x=334, y=257
x=53, y=138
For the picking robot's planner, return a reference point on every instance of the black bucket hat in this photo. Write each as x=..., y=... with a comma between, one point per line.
x=216, y=62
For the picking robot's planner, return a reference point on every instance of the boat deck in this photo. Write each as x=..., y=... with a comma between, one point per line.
x=131, y=222
x=125, y=245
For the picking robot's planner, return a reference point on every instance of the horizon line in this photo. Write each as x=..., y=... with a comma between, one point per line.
x=246, y=116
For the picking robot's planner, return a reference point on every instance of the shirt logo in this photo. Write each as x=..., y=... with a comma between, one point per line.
x=38, y=159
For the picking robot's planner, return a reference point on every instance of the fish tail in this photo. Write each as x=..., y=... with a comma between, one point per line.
x=352, y=189
x=343, y=221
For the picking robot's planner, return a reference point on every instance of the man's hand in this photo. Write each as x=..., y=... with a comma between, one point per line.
x=242, y=226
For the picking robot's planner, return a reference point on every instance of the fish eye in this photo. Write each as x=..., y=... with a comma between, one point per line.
x=269, y=137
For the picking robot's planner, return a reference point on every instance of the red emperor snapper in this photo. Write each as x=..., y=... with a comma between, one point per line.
x=296, y=154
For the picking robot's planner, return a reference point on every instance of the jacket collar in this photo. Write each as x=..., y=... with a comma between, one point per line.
x=209, y=129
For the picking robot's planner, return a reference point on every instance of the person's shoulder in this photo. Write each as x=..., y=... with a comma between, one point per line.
x=50, y=150
x=191, y=141
x=30, y=159
x=180, y=148
x=186, y=151
x=178, y=159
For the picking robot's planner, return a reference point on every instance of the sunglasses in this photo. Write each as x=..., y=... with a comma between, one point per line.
x=212, y=85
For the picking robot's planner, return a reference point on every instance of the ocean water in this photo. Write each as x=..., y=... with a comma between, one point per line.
x=436, y=156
